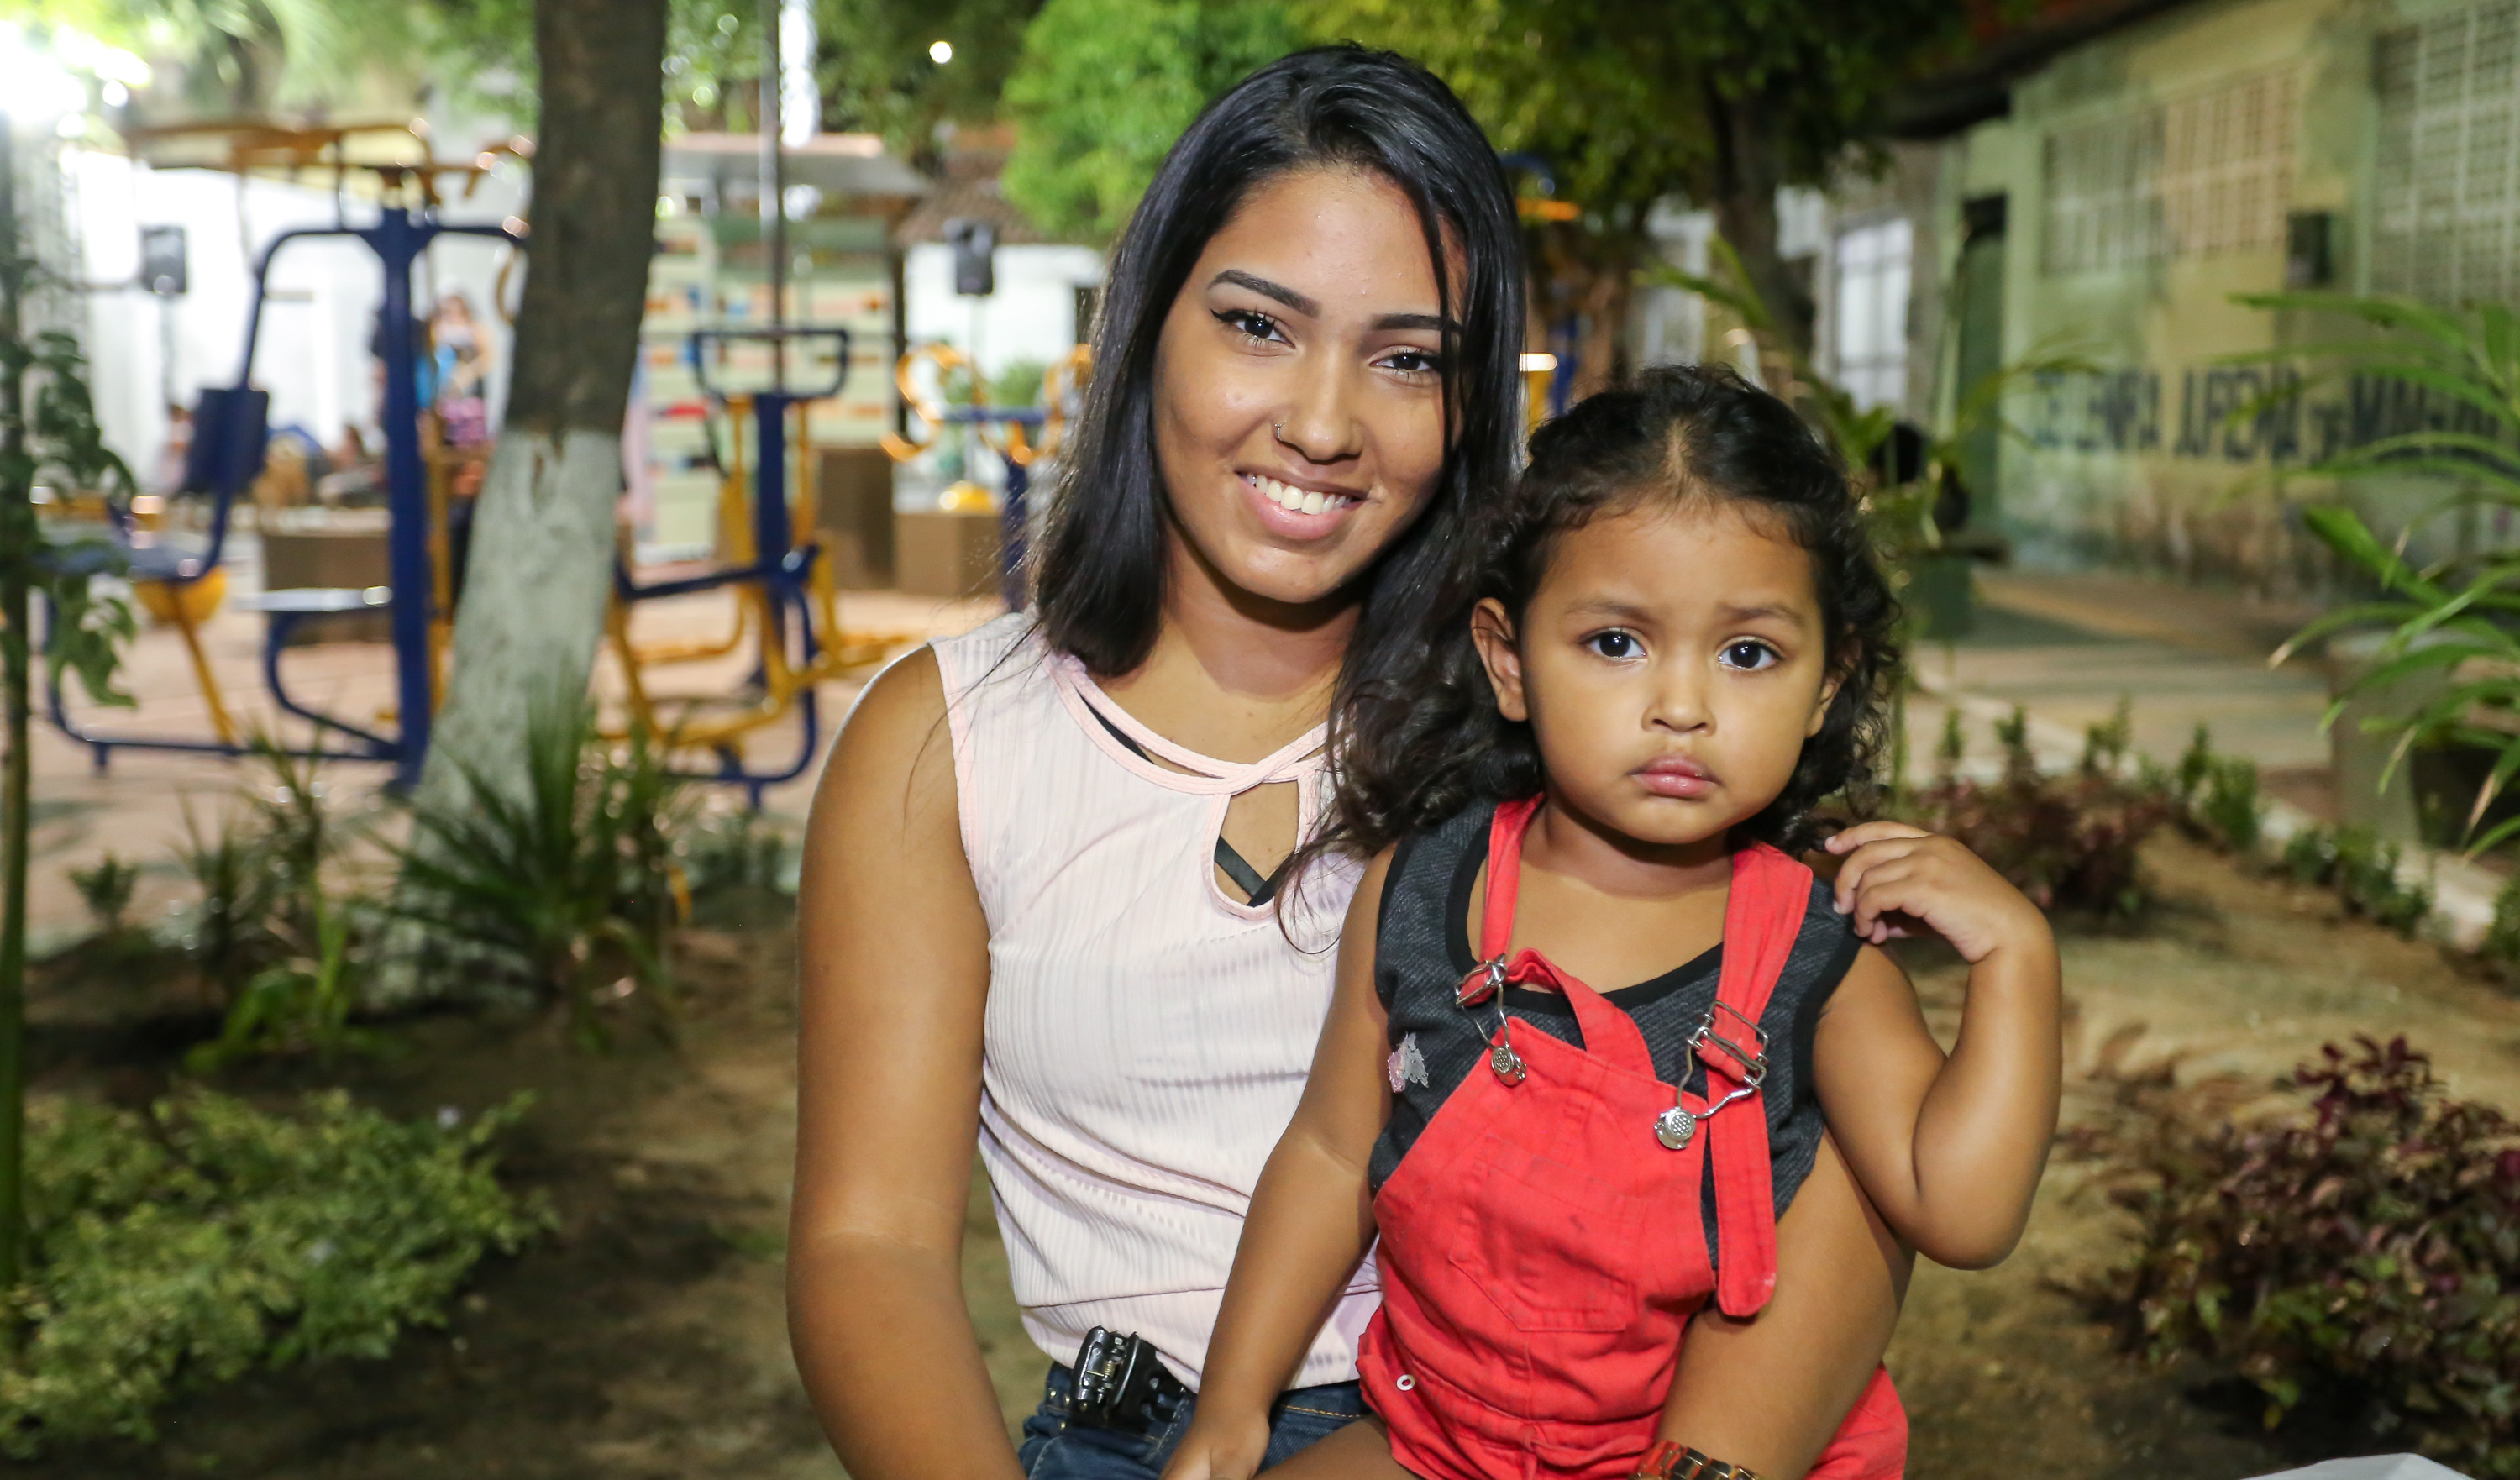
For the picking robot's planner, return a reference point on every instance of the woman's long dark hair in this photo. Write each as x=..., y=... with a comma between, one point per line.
x=1429, y=742
x=1099, y=573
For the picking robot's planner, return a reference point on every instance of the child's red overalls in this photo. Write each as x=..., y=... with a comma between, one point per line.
x=1541, y=1251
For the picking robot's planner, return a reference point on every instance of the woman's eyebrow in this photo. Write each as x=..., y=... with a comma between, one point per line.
x=1310, y=308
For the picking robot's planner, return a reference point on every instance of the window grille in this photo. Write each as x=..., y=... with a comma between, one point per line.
x=2203, y=174
x=2227, y=165
x=2445, y=201
x=2103, y=194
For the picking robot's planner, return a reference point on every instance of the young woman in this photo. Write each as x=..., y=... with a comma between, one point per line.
x=1040, y=906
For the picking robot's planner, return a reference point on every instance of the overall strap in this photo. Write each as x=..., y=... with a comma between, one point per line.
x=1607, y=1031
x=1505, y=875
x=1763, y=916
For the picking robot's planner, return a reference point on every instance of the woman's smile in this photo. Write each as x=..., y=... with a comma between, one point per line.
x=1299, y=510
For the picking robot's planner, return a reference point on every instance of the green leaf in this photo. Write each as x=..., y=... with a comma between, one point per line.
x=2342, y=530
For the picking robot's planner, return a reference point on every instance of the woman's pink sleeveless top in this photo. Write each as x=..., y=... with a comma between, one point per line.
x=1147, y=1036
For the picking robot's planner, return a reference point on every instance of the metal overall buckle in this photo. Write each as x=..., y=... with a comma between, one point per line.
x=1486, y=984
x=1676, y=1127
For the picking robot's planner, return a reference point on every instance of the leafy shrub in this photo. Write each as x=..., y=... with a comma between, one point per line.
x=2068, y=842
x=569, y=889
x=2363, y=1249
x=301, y=1005
x=2230, y=812
x=2364, y=872
x=275, y=940
x=2217, y=796
x=186, y=1246
x=230, y=935
x=737, y=850
x=2501, y=943
x=295, y=837
x=106, y=889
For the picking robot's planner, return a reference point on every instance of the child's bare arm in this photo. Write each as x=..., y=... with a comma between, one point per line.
x=1768, y=1393
x=1310, y=1219
x=1949, y=1152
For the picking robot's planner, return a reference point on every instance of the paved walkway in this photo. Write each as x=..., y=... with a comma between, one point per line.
x=2065, y=649
x=141, y=805
x=2068, y=648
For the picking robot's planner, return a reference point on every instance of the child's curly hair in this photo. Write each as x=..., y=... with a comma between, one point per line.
x=1415, y=749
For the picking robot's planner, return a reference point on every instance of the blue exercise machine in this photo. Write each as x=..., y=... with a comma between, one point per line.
x=791, y=597
x=231, y=426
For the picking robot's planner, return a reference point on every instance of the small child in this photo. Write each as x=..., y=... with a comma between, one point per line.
x=1678, y=645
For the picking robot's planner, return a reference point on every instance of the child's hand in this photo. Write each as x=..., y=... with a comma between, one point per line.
x=1220, y=1448
x=1893, y=869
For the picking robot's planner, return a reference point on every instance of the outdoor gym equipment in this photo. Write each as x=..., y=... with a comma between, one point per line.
x=230, y=430
x=787, y=593
x=1013, y=427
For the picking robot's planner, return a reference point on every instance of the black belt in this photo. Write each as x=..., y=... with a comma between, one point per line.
x=1117, y=1383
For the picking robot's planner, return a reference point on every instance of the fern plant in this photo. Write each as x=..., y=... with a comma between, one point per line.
x=2461, y=620
x=567, y=889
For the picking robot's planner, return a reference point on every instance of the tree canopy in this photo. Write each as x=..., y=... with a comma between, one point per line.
x=1629, y=102
x=1105, y=86
x=871, y=59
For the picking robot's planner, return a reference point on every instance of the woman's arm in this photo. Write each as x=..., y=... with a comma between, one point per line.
x=1949, y=1152
x=893, y=974
x=1768, y=1393
x=1311, y=1219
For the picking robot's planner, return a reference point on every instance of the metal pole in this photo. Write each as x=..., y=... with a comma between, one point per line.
x=774, y=190
x=398, y=240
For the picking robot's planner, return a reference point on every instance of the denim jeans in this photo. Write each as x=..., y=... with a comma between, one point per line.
x=1053, y=1450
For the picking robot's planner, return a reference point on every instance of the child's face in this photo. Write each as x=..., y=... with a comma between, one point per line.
x=1671, y=665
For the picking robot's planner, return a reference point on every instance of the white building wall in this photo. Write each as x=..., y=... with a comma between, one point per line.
x=1032, y=316
x=318, y=323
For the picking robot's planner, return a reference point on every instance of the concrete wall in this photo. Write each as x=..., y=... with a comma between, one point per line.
x=2244, y=111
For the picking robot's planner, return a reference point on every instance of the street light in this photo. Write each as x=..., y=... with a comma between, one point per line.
x=33, y=86
x=940, y=52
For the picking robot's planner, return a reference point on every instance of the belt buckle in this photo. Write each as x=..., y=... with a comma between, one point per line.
x=1116, y=1380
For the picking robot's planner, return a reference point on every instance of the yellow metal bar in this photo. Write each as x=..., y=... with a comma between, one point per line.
x=219, y=720
x=442, y=564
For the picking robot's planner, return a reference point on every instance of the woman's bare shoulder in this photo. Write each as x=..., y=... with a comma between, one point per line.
x=893, y=744
x=910, y=690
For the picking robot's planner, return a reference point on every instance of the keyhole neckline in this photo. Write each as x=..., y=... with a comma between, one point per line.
x=1299, y=760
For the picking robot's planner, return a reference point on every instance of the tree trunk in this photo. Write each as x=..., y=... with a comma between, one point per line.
x=540, y=568
x=1606, y=353
x=1749, y=167
x=18, y=539
x=17, y=679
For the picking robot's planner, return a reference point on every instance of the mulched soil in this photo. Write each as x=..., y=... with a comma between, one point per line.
x=646, y=1338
